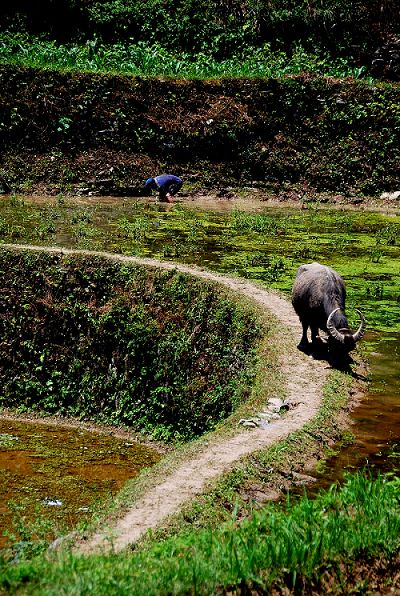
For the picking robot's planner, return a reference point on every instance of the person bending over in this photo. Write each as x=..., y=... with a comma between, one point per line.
x=167, y=186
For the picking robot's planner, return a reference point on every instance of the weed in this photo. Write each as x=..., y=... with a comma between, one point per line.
x=153, y=59
x=64, y=124
x=375, y=254
x=45, y=229
x=83, y=230
x=135, y=230
x=29, y=539
x=304, y=253
x=81, y=216
x=375, y=291
x=16, y=200
x=388, y=234
x=246, y=222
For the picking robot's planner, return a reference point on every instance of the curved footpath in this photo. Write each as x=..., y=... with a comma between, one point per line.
x=304, y=379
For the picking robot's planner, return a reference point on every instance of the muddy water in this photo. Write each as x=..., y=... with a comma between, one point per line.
x=376, y=420
x=61, y=474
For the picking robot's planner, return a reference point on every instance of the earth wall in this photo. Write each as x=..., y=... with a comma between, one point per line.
x=103, y=134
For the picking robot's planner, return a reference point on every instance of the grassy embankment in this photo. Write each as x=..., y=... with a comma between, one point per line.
x=157, y=351
x=306, y=545
x=149, y=39
x=104, y=134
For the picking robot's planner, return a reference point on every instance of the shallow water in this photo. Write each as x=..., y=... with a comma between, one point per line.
x=376, y=420
x=62, y=473
x=259, y=242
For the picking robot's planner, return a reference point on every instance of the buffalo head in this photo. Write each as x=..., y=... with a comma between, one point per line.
x=345, y=336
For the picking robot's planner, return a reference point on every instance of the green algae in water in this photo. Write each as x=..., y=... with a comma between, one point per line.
x=267, y=244
x=62, y=474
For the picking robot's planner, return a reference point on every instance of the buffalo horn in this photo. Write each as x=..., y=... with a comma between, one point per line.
x=361, y=330
x=332, y=329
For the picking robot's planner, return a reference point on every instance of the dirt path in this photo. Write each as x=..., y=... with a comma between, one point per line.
x=304, y=382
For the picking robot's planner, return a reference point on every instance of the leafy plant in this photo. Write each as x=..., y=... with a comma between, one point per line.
x=64, y=124
x=28, y=539
x=153, y=59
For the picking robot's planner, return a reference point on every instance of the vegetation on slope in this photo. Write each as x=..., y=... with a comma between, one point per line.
x=218, y=28
x=107, y=134
x=157, y=351
x=327, y=135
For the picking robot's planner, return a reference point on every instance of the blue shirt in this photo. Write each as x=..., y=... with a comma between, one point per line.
x=165, y=180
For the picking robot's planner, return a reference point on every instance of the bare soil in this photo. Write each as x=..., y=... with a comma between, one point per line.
x=304, y=378
x=250, y=200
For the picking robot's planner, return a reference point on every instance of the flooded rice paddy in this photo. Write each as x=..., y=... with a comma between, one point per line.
x=252, y=240
x=61, y=474
x=375, y=443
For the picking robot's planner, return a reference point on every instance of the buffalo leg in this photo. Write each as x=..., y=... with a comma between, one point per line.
x=303, y=345
x=317, y=341
x=314, y=334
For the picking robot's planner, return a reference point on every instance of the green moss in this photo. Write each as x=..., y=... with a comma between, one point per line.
x=267, y=245
x=74, y=469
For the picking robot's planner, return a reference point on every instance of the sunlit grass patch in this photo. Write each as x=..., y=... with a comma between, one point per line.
x=289, y=547
x=154, y=60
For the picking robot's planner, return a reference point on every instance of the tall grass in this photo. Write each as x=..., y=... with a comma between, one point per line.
x=241, y=221
x=283, y=546
x=144, y=59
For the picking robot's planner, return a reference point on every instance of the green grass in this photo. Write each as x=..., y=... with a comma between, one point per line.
x=153, y=60
x=288, y=546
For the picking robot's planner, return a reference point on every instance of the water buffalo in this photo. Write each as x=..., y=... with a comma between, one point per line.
x=318, y=297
